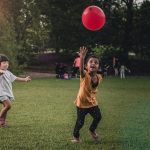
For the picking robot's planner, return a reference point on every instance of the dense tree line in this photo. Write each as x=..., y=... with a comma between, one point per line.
x=31, y=26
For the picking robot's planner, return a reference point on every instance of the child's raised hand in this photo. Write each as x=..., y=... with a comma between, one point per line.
x=83, y=51
x=28, y=78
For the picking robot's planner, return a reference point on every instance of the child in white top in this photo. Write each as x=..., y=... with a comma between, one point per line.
x=123, y=68
x=6, y=94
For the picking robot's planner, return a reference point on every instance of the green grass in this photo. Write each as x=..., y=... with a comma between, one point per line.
x=43, y=116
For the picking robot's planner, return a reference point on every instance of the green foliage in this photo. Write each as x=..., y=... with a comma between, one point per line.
x=106, y=51
x=28, y=27
x=142, y=31
x=8, y=45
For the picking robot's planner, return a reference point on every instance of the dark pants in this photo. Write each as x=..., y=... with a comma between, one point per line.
x=81, y=113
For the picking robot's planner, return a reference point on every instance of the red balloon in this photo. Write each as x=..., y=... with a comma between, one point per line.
x=93, y=18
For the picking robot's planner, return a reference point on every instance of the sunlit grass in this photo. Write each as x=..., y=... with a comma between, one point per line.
x=43, y=116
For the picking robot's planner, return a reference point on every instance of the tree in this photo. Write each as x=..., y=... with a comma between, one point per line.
x=66, y=29
x=128, y=28
x=31, y=28
x=8, y=44
x=142, y=30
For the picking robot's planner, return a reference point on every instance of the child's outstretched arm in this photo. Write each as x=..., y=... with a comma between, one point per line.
x=83, y=51
x=26, y=79
x=1, y=72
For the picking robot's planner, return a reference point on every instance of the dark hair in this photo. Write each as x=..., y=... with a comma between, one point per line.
x=92, y=56
x=3, y=58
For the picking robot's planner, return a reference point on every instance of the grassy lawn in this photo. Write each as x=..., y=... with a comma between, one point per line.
x=43, y=116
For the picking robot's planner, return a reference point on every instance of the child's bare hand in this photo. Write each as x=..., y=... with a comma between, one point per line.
x=83, y=51
x=28, y=78
x=1, y=72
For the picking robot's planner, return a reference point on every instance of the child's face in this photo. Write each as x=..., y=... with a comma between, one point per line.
x=4, y=65
x=92, y=65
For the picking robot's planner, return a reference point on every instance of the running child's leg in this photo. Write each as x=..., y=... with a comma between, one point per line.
x=96, y=114
x=6, y=107
x=81, y=113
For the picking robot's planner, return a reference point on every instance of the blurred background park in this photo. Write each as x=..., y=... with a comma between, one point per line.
x=38, y=34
